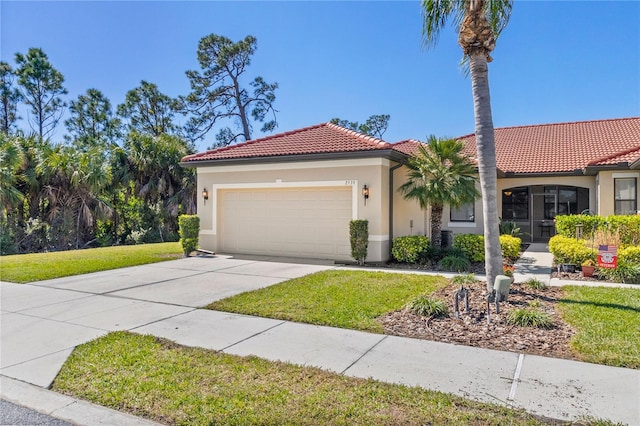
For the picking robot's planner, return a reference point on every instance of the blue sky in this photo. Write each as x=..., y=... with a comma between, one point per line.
x=556, y=61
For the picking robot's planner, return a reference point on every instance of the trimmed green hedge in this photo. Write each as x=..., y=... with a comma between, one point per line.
x=569, y=250
x=359, y=238
x=472, y=245
x=630, y=255
x=627, y=227
x=510, y=246
x=189, y=229
x=408, y=249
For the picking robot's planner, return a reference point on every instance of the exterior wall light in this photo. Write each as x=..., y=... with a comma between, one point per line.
x=507, y=193
x=365, y=194
x=205, y=194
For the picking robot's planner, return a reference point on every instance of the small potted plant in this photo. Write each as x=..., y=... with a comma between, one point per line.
x=588, y=267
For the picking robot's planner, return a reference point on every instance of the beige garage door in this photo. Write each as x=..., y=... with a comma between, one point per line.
x=298, y=222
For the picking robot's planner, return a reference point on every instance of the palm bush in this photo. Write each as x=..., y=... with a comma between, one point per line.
x=454, y=263
x=529, y=317
x=428, y=306
x=440, y=174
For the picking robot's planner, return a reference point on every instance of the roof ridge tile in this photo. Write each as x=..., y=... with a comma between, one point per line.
x=367, y=138
x=614, y=155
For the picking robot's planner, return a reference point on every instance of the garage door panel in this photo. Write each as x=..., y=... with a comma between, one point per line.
x=303, y=222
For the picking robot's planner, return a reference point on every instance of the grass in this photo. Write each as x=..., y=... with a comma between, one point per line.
x=607, y=321
x=25, y=268
x=346, y=299
x=164, y=382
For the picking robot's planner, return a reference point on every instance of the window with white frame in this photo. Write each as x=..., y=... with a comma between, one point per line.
x=464, y=213
x=626, y=195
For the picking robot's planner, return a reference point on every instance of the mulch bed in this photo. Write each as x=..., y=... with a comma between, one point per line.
x=471, y=328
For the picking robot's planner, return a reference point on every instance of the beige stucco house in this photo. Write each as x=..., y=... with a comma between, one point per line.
x=294, y=193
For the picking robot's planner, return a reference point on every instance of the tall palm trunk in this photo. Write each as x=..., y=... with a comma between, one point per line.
x=486, y=151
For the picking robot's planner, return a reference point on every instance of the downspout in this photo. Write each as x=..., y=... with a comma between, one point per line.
x=397, y=166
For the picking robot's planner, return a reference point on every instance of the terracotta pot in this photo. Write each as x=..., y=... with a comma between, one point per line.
x=587, y=271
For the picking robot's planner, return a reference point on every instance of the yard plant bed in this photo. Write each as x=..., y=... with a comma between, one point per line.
x=471, y=328
x=596, y=324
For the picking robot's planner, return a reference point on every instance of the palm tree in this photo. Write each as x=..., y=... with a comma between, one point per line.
x=159, y=179
x=11, y=161
x=73, y=187
x=479, y=23
x=440, y=174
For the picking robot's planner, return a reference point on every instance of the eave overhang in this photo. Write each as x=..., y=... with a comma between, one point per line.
x=389, y=154
x=594, y=170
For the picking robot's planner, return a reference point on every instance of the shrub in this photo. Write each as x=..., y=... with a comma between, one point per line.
x=536, y=284
x=529, y=317
x=189, y=226
x=472, y=245
x=566, y=225
x=509, y=227
x=454, y=263
x=359, y=237
x=432, y=253
x=625, y=273
x=463, y=279
x=627, y=226
x=569, y=250
x=7, y=239
x=428, y=306
x=630, y=255
x=510, y=246
x=409, y=248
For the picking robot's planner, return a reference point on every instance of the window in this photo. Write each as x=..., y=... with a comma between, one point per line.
x=626, y=195
x=515, y=204
x=567, y=201
x=464, y=213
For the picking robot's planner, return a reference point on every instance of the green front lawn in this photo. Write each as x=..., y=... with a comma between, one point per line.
x=346, y=299
x=24, y=268
x=607, y=321
x=168, y=383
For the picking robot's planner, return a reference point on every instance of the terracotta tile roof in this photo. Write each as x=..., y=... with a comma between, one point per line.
x=564, y=147
x=321, y=138
x=409, y=146
x=543, y=148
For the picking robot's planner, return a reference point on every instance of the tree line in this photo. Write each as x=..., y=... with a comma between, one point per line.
x=114, y=177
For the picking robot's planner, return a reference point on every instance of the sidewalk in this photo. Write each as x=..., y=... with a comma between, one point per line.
x=42, y=323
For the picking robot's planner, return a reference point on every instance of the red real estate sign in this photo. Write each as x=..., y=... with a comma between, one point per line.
x=607, y=256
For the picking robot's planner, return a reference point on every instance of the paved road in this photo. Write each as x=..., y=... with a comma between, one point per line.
x=12, y=414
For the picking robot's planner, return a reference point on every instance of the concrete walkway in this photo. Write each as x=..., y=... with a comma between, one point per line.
x=41, y=323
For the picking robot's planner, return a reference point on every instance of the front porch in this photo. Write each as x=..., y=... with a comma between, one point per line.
x=534, y=207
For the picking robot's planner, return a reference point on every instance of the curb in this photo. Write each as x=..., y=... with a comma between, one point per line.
x=64, y=407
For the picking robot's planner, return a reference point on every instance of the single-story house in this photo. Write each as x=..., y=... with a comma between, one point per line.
x=294, y=193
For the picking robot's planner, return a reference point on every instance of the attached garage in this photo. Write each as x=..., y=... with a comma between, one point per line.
x=298, y=222
x=294, y=194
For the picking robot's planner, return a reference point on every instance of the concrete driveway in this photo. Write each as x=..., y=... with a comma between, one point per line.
x=41, y=323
